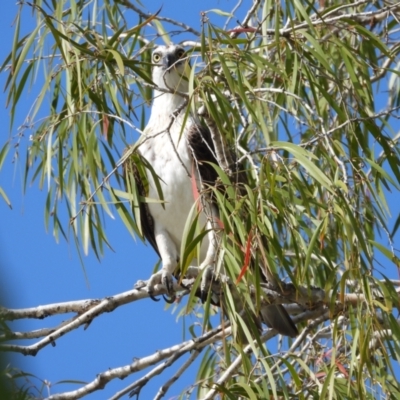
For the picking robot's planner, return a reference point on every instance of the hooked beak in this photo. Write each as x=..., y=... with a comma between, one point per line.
x=169, y=61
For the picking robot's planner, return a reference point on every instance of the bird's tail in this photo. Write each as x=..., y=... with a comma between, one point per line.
x=276, y=317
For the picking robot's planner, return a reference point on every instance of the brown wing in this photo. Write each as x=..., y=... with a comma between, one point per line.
x=202, y=147
x=131, y=170
x=199, y=139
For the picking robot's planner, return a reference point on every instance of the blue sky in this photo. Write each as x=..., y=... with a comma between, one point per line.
x=36, y=270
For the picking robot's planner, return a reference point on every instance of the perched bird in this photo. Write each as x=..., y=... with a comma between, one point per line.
x=179, y=150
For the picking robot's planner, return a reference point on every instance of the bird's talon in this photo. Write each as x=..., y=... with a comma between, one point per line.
x=153, y=298
x=166, y=280
x=169, y=300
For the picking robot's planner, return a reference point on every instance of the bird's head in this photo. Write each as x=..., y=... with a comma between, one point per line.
x=169, y=64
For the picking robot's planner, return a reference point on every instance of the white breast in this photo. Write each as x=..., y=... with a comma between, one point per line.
x=171, y=160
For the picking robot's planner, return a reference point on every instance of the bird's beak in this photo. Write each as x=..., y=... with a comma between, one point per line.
x=170, y=60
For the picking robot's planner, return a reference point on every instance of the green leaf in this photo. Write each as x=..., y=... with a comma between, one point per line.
x=382, y=171
x=219, y=12
x=319, y=228
x=117, y=57
x=385, y=251
x=302, y=157
x=5, y=197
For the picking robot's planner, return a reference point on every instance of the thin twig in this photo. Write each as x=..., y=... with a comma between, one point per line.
x=187, y=28
x=247, y=18
x=164, y=388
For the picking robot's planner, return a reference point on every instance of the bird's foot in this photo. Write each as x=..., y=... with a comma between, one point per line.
x=162, y=277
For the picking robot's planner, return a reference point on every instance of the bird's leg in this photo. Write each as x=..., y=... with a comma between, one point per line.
x=169, y=257
x=207, y=265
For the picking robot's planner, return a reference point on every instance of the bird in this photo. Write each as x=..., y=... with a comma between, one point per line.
x=178, y=152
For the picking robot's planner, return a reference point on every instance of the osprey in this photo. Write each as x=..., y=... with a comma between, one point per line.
x=179, y=150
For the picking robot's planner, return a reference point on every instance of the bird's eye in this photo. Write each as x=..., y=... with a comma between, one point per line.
x=180, y=53
x=156, y=57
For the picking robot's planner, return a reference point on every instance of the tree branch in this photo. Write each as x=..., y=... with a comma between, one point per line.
x=173, y=352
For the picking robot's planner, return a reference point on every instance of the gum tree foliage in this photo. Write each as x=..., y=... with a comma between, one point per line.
x=293, y=90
